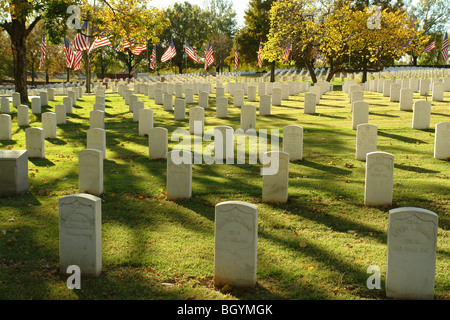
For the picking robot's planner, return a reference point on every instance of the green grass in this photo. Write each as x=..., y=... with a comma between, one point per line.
x=317, y=246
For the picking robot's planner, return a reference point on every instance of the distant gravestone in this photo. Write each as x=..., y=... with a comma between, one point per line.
x=49, y=125
x=424, y=86
x=248, y=117
x=366, y=140
x=67, y=101
x=13, y=172
x=60, y=111
x=406, y=99
x=261, y=88
x=222, y=107
x=90, y=171
x=189, y=95
x=276, y=180
x=5, y=127
x=22, y=115
x=80, y=233
x=251, y=94
x=16, y=99
x=97, y=119
x=438, y=92
x=137, y=106
x=309, y=106
x=203, y=99
x=356, y=95
x=235, y=249
x=421, y=115
x=179, y=175
x=276, y=96
x=238, y=98
x=36, y=105
x=293, y=142
x=442, y=141
x=96, y=139
x=387, y=88
x=395, y=92
x=379, y=179
x=145, y=121
x=35, y=142
x=411, y=253
x=159, y=98
x=223, y=144
x=196, y=117
x=179, y=109
x=168, y=102
x=4, y=108
x=158, y=143
x=360, y=113
x=264, y=104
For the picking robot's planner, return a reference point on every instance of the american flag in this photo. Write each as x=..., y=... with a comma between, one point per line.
x=43, y=52
x=81, y=41
x=170, y=52
x=123, y=70
x=259, y=55
x=324, y=60
x=287, y=51
x=444, y=49
x=429, y=47
x=190, y=52
x=236, y=56
x=153, y=62
x=100, y=42
x=70, y=55
x=137, y=50
x=122, y=46
x=77, y=60
x=209, y=59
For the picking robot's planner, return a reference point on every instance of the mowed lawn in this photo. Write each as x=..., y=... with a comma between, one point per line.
x=317, y=246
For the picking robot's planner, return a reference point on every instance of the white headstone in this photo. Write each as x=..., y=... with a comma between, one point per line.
x=179, y=109
x=366, y=140
x=223, y=144
x=421, y=115
x=309, y=106
x=96, y=139
x=264, y=104
x=49, y=125
x=238, y=97
x=379, y=179
x=196, y=116
x=4, y=105
x=158, y=143
x=80, y=233
x=168, y=102
x=395, y=92
x=406, y=99
x=35, y=142
x=60, y=111
x=235, y=250
x=203, y=98
x=442, y=141
x=13, y=172
x=145, y=121
x=438, y=92
x=97, y=119
x=411, y=253
x=276, y=96
x=248, y=117
x=360, y=113
x=67, y=101
x=22, y=115
x=5, y=127
x=222, y=107
x=179, y=175
x=16, y=99
x=36, y=105
x=276, y=180
x=293, y=142
x=90, y=171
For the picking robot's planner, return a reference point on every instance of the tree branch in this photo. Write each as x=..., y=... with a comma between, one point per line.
x=33, y=24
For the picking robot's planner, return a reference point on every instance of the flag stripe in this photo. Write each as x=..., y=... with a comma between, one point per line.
x=209, y=59
x=169, y=53
x=43, y=52
x=70, y=55
x=191, y=53
x=444, y=49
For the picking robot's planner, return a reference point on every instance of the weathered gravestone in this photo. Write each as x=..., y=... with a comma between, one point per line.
x=235, y=249
x=97, y=119
x=35, y=142
x=145, y=121
x=13, y=172
x=406, y=99
x=196, y=120
x=179, y=175
x=293, y=142
x=379, y=179
x=309, y=106
x=360, y=113
x=36, y=105
x=90, y=171
x=366, y=140
x=49, y=125
x=223, y=144
x=80, y=234
x=168, y=102
x=421, y=115
x=179, y=112
x=5, y=127
x=276, y=97
x=442, y=141
x=60, y=111
x=264, y=104
x=96, y=139
x=248, y=117
x=157, y=143
x=238, y=98
x=67, y=102
x=4, y=108
x=395, y=92
x=22, y=115
x=411, y=253
x=222, y=107
x=275, y=177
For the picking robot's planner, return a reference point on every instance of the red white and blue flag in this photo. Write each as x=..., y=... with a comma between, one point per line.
x=169, y=53
x=137, y=50
x=444, y=49
x=236, y=56
x=259, y=55
x=77, y=60
x=190, y=52
x=209, y=59
x=429, y=47
x=100, y=42
x=70, y=55
x=287, y=52
x=43, y=52
x=81, y=41
x=153, y=61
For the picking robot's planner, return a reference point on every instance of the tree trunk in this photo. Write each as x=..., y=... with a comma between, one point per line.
x=32, y=73
x=88, y=71
x=364, y=78
x=414, y=61
x=272, y=72
x=180, y=68
x=18, y=45
x=310, y=68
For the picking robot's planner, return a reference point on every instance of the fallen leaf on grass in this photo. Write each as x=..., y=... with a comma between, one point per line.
x=302, y=244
